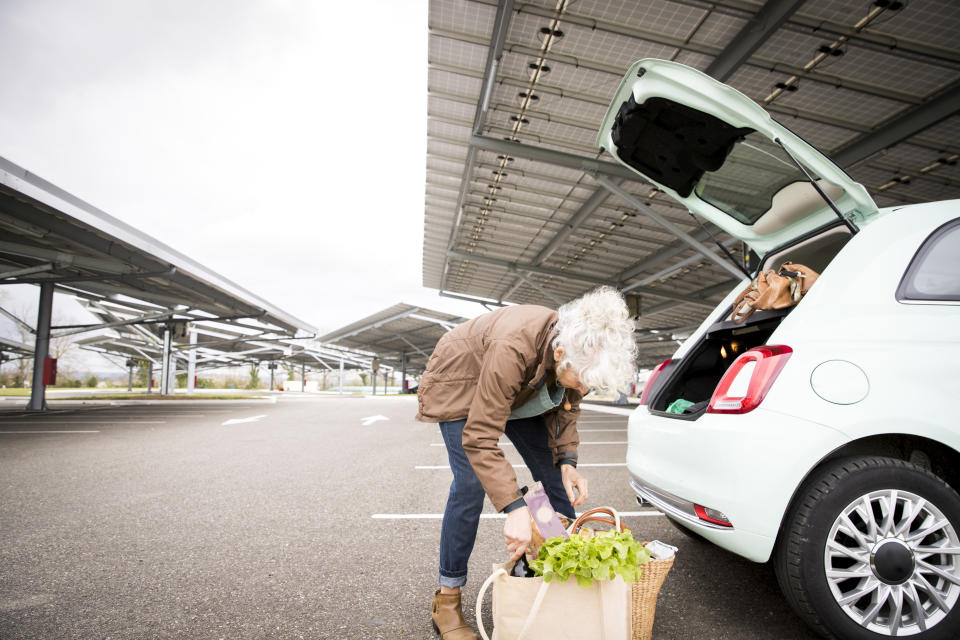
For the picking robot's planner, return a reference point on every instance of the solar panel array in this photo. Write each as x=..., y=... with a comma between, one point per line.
x=505, y=224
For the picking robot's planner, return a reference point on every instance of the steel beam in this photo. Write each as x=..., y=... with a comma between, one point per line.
x=373, y=325
x=481, y=301
x=61, y=259
x=38, y=401
x=587, y=209
x=515, y=266
x=403, y=354
x=443, y=323
x=17, y=320
x=537, y=286
x=754, y=33
x=559, y=158
x=723, y=287
x=118, y=323
x=648, y=211
x=192, y=362
x=27, y=271
x=900, y=127
x=668, y=270
x=494, y=53
x=165, y=362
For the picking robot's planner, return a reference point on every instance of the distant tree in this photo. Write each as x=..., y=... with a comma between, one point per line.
x=91, y=381
x=363, y=378
x=59, y=347
x=254, y=382
x=141, y=373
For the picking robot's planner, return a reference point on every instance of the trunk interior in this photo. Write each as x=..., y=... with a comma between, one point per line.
x=695, y=377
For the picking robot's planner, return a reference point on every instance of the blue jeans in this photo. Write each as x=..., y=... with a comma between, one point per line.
x=465, y=502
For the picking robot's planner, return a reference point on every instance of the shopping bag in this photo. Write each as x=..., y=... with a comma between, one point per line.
x=774, y=290
x=531, y=609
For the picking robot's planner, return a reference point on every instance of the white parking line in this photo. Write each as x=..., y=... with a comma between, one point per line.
x=523, y=466
x=510, y=444
x=39, y=431
x=439, y=516
x=66, y=422
x=600, y=408
x=600, y=430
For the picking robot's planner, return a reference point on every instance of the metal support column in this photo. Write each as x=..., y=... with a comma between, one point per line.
x=192, y=363
x=303, y=376
x=150, y=377
x=273, y=367
x=172, y=375
x=131, y=363
x=385, y=381
x=38, y=400
x=373, y=375
x=341, y=376
x=165, y=363
x=403, y=372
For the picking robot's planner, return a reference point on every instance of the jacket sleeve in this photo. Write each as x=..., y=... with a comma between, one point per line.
x=501, y=376
x=562, y=425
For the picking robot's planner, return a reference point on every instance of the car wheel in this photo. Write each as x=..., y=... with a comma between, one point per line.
x=693, y=535
x=871, y=549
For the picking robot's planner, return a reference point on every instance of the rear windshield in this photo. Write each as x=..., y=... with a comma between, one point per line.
x=753, y=172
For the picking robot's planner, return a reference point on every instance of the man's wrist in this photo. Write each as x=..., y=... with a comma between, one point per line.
x=513, y=506
x=567, y=458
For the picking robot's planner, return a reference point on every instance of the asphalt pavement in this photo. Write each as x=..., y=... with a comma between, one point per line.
x=302, y=516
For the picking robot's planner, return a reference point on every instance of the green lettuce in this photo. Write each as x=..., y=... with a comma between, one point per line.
x=604, y=556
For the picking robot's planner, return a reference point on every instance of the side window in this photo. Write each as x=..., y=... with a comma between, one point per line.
x=934, y=273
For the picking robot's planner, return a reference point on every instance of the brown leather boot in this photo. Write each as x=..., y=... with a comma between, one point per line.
x=448, y=618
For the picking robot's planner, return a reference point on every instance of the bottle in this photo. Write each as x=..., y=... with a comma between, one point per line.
x=521, y=569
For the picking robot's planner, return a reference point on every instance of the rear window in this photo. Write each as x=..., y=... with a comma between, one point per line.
x=934, y=273
x=744, y=186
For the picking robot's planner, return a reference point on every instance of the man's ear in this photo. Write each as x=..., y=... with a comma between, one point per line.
x=558, y=354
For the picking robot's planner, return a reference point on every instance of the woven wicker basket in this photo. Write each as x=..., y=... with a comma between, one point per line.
x=645, y=591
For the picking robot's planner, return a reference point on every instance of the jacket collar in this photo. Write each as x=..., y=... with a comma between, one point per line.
x=548, y=364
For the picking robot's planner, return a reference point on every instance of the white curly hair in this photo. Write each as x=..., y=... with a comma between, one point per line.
x=596, y=334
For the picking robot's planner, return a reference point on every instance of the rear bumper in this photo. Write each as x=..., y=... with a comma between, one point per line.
x=746, y=466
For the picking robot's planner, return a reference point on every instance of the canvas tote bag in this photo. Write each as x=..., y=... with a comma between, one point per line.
x=531, y=609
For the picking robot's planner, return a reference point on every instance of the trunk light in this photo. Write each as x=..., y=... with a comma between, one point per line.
x=648, y=386
x=712, y=515
x=747, y=381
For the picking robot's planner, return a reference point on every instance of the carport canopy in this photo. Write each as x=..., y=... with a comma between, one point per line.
x=521, y=205
x=139, y=288
x=402, y=336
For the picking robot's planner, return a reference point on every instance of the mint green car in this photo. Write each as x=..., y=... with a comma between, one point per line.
x=822, y=437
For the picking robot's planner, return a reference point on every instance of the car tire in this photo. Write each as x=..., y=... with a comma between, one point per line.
x=877, y=557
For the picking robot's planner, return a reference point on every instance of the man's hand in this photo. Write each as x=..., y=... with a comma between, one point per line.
x=517, y=532
x=572, y=479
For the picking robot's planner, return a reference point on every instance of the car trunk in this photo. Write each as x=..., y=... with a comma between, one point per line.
x=695, y=376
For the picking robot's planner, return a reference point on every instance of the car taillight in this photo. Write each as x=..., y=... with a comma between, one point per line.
x=650, y=380
x=745, y=384
x=712, y=515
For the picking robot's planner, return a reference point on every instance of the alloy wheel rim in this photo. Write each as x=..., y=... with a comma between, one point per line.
x=892, y=562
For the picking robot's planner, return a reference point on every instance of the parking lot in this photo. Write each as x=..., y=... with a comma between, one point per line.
x=294, y=517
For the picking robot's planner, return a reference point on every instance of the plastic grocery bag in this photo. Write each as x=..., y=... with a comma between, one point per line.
x=531, y=609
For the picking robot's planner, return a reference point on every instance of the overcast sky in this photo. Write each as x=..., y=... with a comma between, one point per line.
x=280, y=143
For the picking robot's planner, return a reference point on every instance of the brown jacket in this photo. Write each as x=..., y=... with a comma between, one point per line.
x=482, y=370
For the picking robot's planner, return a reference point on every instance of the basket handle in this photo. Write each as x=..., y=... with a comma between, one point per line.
x=593, y=515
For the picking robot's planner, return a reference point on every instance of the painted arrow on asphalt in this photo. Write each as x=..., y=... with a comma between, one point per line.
x=242, y=420
x=369, y=420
